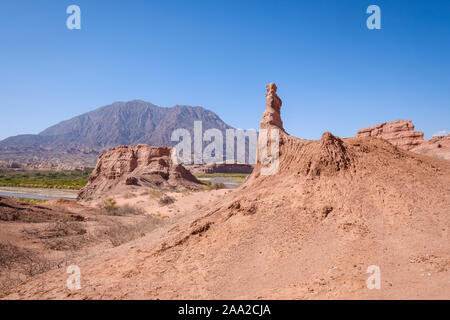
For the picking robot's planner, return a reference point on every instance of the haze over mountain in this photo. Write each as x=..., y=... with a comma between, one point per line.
x=82, y=138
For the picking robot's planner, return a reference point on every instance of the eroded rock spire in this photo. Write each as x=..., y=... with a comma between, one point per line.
x=271, y=116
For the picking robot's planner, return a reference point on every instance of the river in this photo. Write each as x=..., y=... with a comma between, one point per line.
x=38, y=193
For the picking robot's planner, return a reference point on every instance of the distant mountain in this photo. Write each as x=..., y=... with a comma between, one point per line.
x=82, y=138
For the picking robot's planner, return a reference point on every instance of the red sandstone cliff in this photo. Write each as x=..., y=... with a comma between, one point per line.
x=401, y=133
x=143, y=165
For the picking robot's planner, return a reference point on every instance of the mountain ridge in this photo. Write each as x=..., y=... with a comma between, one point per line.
x=120, y=123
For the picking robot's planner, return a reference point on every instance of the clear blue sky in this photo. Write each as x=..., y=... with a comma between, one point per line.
x=333, y=74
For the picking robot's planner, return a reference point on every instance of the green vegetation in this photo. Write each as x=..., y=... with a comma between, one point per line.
x=29, y=200
x=110, y=205
x=235, y=177
x=217, y=186
x=207, y=183
x=213, y=186
x=73, y=180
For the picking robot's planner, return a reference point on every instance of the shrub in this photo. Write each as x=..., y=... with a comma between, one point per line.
x=110, y=204
x=166, y=200
x=207, y=183
x=186, y=192
x=125, y=210
x=22, y=262
x=155, y=194
x=10, y=254
x=217, y=186
x=57, y=229
x=119, y=233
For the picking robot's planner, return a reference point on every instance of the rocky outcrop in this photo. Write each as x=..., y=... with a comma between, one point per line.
x=400, y=133
x=271, y=116
x=14, y=210
x=438, y=147
x=127, y=167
